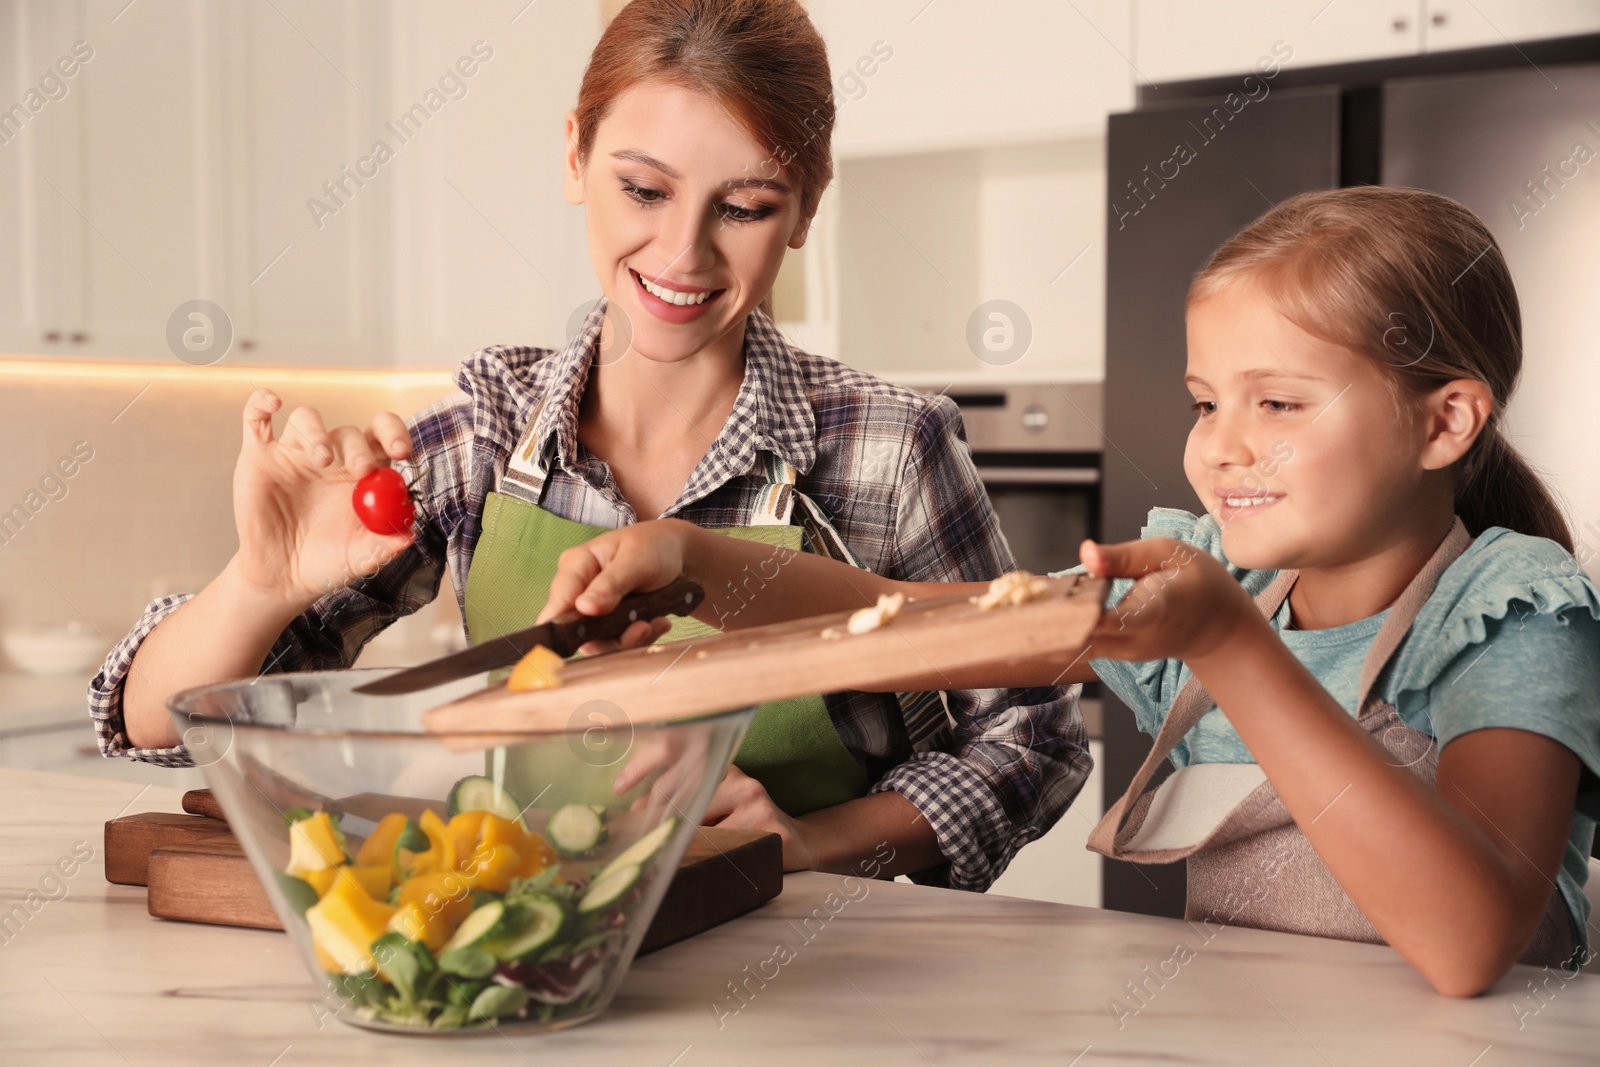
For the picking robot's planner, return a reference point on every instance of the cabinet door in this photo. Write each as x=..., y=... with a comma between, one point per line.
x=303, y=92
x=107, y=174
x=913, y=76
x=1461, y=24
x=1177, y=40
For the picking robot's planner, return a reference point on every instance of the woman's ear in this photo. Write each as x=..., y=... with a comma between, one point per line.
x=1457, y=412
x=574, y=163
x=801, y=230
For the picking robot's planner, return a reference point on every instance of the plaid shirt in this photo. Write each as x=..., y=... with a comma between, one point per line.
x=890, y=467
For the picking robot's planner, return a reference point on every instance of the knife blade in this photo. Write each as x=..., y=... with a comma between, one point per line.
x=564, y=635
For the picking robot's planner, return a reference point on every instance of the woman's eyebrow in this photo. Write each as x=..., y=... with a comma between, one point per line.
x=631, y=155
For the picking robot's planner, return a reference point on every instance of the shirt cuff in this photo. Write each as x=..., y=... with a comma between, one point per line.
x=969, y=823
x=106, y=690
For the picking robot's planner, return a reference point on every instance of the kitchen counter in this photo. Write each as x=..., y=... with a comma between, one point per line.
x=895, y=974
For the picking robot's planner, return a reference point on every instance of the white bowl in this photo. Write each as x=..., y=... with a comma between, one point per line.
x=65, y=648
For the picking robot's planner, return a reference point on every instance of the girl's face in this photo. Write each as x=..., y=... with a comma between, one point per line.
x=1297, y=448
x=688, y=217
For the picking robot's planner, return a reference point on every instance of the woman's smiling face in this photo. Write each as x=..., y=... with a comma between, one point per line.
x=688, y=217
x=1297, y=447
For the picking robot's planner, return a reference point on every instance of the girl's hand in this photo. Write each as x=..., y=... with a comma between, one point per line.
x=595, y=575
x=1184, y=604
x=299, y=537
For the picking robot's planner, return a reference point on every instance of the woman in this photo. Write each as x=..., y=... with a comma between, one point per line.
x=699, y=149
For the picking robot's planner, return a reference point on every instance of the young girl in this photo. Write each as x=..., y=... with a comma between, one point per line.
x=1381, y=600
x=699, y=149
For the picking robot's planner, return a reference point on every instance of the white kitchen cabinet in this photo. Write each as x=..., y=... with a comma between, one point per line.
x=1451, y=24
x=1175, y=40
x=914, y=76
x=1057, y=867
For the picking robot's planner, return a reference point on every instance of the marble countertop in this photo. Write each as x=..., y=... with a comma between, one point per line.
x=886, y=973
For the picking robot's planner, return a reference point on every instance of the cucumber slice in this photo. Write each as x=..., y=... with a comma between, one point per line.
x=575, y=829
x=643, y=850
x=477, y=926
x=608, y=888
x=477, y=793
x=546, y=919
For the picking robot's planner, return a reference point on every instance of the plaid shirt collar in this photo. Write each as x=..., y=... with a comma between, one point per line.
x=772, y=412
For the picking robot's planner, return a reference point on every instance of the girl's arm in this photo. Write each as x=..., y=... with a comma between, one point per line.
x=752, y=584
x=1456, y=877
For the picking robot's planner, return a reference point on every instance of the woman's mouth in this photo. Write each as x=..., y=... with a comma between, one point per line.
x=674, y=303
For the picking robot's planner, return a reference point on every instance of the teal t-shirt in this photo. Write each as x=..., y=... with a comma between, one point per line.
x=1509, y=638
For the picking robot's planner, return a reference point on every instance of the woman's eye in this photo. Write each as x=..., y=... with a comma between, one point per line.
x=735, y=213
x=1203, y=407
x=643, y=194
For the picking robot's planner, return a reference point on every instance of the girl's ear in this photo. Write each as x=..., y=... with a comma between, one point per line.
x=1457, y=412
x=574, y=164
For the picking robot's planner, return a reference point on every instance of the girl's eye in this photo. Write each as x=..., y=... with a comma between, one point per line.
x=1203, y=407
x=1281, y=407
x=735, y=213
x=643, y=194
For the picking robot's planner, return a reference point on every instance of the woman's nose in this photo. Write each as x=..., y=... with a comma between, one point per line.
x=686, y=239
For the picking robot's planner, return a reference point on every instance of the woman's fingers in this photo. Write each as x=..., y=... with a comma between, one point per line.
x=388, y=431
x=355, y=451
x=305, y=433
x=258, y=412
x=575, y=569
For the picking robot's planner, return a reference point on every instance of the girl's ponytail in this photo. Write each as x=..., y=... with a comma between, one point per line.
x=1496, y=487
x=1416, y=282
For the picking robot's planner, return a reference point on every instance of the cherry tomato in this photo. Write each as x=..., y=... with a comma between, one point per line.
x=383, y=502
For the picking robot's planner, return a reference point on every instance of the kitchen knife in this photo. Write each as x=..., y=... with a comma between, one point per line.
x=563, y=635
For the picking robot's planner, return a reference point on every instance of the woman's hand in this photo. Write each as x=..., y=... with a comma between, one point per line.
x=1184, y=604
x=299, y=537
x=742, y=803
x=595, y=575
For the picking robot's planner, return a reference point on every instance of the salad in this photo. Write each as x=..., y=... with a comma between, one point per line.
x=462, y=921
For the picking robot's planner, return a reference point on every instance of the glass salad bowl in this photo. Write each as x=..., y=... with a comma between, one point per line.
x=454, y=882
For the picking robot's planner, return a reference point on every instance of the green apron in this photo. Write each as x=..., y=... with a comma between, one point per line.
x=791, y=748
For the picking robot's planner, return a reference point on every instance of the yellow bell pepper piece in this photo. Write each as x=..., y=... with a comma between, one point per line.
x=445, y=896
x=346, y=921
x=441, y=854
x=414, y=922
x=537, y=854
x=464, y=829
x=492, y=867
x=325, y=961
x=375, y=880
x=314, y=845
x=378, y=850
x=539, y=669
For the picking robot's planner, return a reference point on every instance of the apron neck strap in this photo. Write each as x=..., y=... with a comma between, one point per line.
x=1193, y=702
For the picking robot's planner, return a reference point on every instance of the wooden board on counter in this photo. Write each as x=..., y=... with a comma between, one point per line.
x=951, y=639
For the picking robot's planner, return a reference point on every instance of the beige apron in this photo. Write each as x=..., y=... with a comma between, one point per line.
x=1249, y=864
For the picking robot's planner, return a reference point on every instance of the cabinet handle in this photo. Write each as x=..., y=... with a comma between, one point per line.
x=1401, y=24
x=1440, y=18
x=79, y=338
x=52, y=336
x=247, y=345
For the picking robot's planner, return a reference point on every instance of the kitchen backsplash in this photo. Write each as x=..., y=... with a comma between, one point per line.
x=117, y=483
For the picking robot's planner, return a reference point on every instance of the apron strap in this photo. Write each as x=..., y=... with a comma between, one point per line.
x=1193, y=702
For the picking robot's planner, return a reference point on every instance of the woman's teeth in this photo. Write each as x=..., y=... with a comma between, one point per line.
x=671, y=296
x=1247, y=501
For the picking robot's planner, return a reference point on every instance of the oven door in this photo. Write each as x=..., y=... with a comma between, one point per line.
x=1047, y=505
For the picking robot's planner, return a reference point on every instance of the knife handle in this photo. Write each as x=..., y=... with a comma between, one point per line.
x=573, y=630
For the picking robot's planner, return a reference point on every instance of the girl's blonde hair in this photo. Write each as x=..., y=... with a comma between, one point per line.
x=1416, y=282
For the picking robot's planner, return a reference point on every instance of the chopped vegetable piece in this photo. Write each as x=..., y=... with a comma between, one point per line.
x=314, y=844
x=477, y=927
x=575, y=829
x=492, y=867
x=643, y=850
x=609, y=888
x=542, y=918
x=378, y=849
x=477, y=793
x=539, y=669
x=346, y=921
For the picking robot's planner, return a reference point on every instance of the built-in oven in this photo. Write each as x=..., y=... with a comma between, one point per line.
x=1038, y=449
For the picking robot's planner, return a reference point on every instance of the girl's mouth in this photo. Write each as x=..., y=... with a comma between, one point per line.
x=1232, y=508
x=673, y=304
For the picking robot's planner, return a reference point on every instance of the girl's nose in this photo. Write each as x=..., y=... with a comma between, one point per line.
x=1223, y=445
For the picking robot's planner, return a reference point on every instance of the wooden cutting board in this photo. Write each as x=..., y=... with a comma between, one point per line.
x=196, y=871
x=949, y=641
